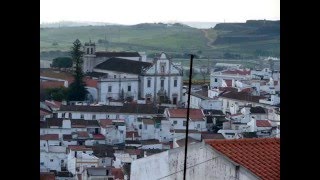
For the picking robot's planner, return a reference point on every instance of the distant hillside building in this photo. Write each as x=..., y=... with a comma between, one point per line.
x=124, y=75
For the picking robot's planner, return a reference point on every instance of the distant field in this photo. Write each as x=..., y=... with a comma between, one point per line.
x=176, y=40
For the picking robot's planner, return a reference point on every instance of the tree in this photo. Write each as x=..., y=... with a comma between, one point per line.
x=194, y=73
x=57, y=94
x=62, y=62
x=204, y=71
x=77, y=90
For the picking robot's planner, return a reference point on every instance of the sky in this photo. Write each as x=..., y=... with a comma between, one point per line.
x=150, y=11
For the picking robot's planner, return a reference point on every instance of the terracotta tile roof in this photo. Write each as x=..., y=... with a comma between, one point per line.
x=53, y=104
x=129, y=134
x=105, y=123
x=259, y=155
x=137, y=152
x=91, y=82
x=79, y=148
x=228, y=82
x=99, y=137
x=50, y=122
x=47, y=176
x=243, y=96
x=236, y=71
x=194, y=114
x=212, y=136
x=81, y=123
x=148, y=121
x=228, y=89
x=51, y=84
x=44, y=113
x=117, y=173
x=82, y=134
x=263, y=123
x=126, y=108
x=247, y=90
x=49, y=137
x=67, y=137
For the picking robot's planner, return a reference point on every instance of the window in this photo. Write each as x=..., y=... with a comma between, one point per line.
x=81, y=116
x=117, y=116
x=174, y=122
x=198, y=126
x=149, y=83
x=140, y=126
x=162, y=83
x=51, y=160
x=63, y=115
x=107, y=116
x=87, y=50
x=91, y=50
x=124, y=77
x=175, y=82
x=70, y=115
x=215, y=80
x=162, y=68
x=129, y=88
x=114, y=76
x=42, y=163
x=121, y=132
x=109, y=88
x=184, y=123
x=94, y=116
x=62, y=161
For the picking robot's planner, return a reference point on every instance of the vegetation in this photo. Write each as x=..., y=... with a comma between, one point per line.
x=57, y=94
x=242, y=40
x=62, y=62
x=77, y=90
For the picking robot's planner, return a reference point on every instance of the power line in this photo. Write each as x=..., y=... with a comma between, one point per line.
x=189, y=167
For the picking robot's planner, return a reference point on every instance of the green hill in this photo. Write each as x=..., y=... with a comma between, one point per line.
x=248, y=39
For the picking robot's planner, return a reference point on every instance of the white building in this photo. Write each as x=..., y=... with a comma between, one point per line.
x=159, y=81
x=162, y=82
x=113, y=130
x=80, y=157
x=228, y=77
x=213, y=160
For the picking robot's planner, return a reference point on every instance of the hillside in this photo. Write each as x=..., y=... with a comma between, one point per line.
x=225, y=40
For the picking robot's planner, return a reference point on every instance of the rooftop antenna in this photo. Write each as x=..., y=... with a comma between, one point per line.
x=187, y=120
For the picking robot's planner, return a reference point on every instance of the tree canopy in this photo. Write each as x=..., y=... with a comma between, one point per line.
x=62, y=62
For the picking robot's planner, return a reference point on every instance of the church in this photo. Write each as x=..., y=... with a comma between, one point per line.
x=130, y=76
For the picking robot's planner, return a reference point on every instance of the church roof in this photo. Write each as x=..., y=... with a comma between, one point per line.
x=123, y=65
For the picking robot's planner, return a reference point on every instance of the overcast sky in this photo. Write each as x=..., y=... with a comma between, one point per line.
x=140, y=11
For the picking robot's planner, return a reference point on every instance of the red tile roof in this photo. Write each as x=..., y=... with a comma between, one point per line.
x=79, y=148
x=99, y=137
x=91, y=82
x=51, y=84
x=238, y=114
x=44, y=113
x=105, y=123
x=194, y=114
x=248, y=90
x=259, y=155
x=228, y=82
x=228, y=89
x=53, y=104
x=263, y=123
x=83, y=134
x=49, y=137
x=236, y=71
x=133, y=151
x=117, y=173
x=47, y=176
x=129, y=134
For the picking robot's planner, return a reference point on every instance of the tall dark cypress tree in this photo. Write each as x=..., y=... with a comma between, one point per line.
x=77, y=90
